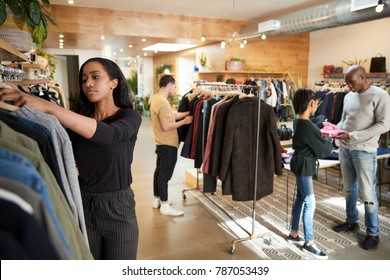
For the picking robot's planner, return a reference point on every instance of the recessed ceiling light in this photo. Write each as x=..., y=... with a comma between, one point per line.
x=155, y=51
x=130, y=46
x=145, y=54
x=61, y=36
x=121, y=50
x=61, y=40
x=70, y=2
x=168, y=47
x=102, y=38
x=114, y=53
x=143, y=40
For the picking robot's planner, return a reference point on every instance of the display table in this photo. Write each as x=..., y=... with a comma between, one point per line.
x=324, y=164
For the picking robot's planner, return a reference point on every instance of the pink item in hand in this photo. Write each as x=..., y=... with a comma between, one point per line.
x=330, y=130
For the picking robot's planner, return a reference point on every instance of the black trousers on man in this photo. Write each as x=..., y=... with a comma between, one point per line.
x=165, y=165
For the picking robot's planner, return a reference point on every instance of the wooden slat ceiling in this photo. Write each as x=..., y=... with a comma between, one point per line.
x=125, y=22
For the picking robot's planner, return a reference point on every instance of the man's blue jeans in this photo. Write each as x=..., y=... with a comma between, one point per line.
x=305, y=199
x=359, y=180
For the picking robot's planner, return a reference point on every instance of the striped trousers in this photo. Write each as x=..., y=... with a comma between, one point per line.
x=111, y=224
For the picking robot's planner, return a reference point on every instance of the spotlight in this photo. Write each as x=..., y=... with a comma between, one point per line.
x=203, y=38
x=223, y=44
x=379, y=7
x=263, y=36
x=242, y=45
x=245, y=41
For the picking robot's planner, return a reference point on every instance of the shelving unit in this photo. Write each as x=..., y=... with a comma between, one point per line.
x=9, y=53
x=29, y=65
x=32, y=82
x=381, y=75
x=241, y=76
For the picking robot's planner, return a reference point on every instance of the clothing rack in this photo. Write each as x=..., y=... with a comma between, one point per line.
x=222, y=89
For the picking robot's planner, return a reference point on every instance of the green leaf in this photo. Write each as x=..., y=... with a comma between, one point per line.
x=35, y=13
x=14, y=6
x=38, y=34
x=46, y=2
x=50, y=18
x=3, y=13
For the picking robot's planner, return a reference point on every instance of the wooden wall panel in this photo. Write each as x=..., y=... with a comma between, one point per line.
x=289, y=53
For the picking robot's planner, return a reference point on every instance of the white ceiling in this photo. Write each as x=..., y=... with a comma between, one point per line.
x=247, y=10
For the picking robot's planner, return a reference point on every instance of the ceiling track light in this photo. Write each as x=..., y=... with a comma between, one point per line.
x=245, y=41
x=379, y=7
x=263, y=36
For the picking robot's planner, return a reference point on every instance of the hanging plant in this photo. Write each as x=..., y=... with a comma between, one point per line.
x=34, y=13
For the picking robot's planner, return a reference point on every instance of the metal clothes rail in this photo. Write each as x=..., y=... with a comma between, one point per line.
x=221, y=89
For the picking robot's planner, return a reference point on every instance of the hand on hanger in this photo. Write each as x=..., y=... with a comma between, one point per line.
x=20, y=98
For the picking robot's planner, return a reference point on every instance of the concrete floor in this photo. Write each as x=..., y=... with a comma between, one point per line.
x=198, y=235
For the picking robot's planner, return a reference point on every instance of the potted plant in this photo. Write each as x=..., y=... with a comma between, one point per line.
x=147, y=106
x=202, y=60
x=165, y=68
x=235, y=64
x=174, y=101
x=133, y=83
x=30, y=13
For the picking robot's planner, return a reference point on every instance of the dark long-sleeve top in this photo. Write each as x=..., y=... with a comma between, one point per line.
x=309, y=145
x=238, y=164
x=104, y=160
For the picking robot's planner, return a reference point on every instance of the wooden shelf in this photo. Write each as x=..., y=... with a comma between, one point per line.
x=29, y=65
x=32, y=82
x=239, y=76
x=244, y=73
x=9, y=53
x=368, y=75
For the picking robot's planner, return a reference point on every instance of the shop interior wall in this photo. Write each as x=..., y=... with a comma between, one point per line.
x=350, y=42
